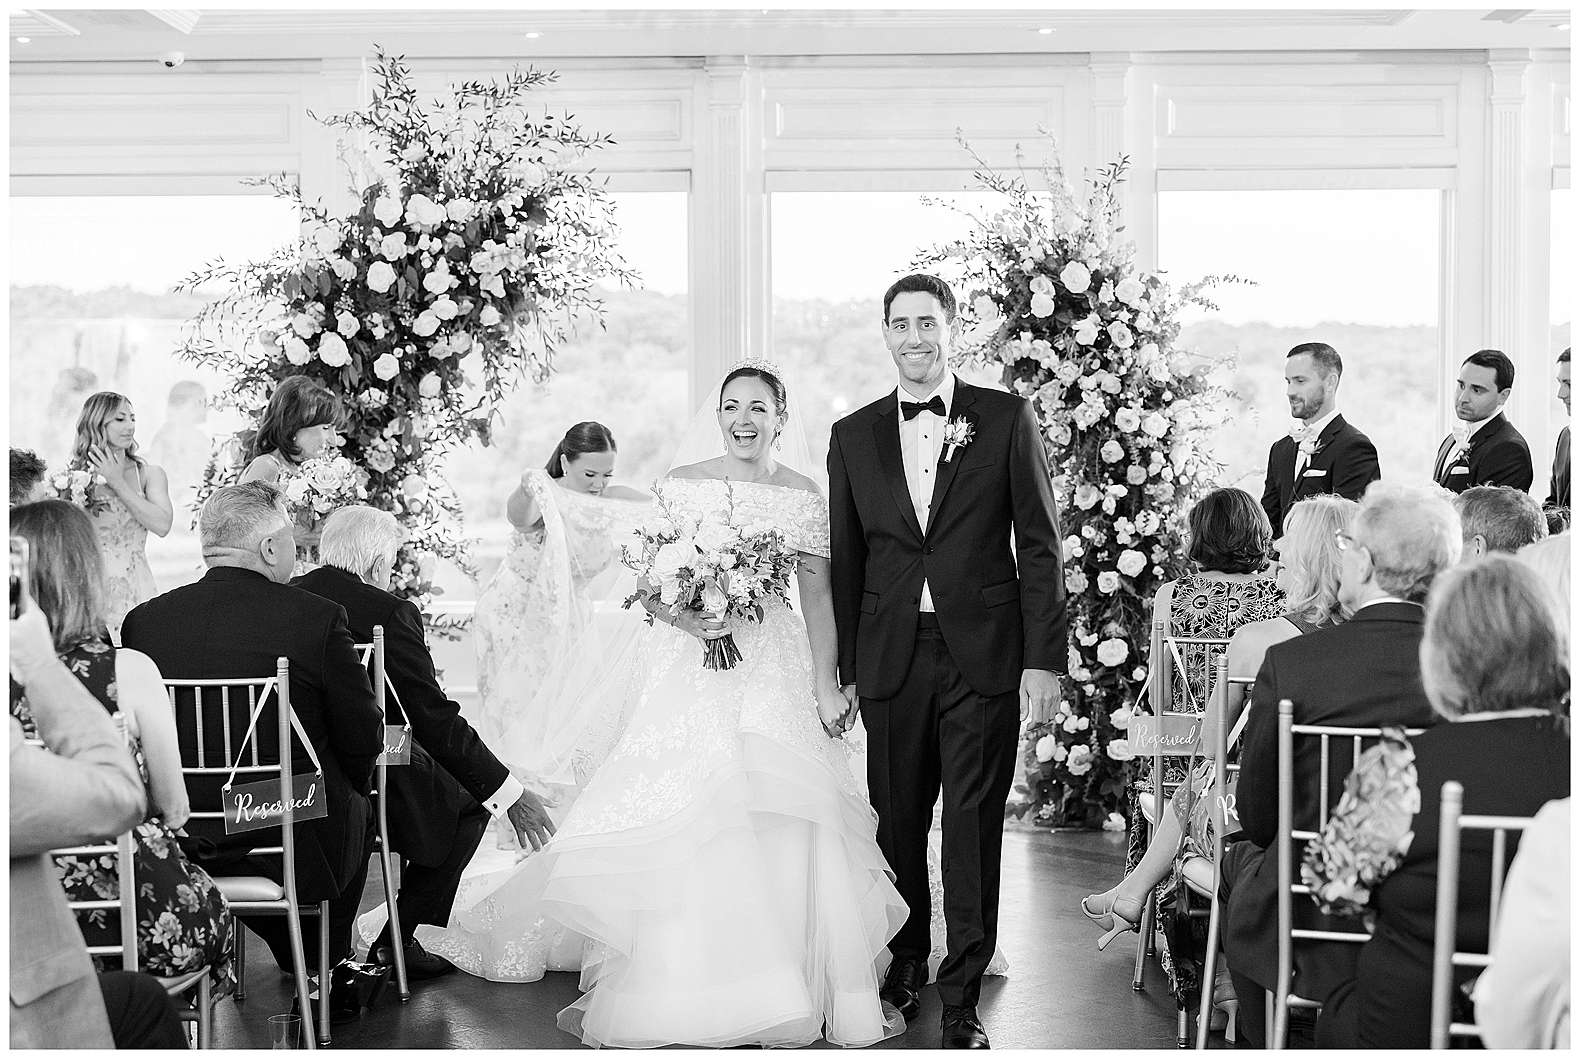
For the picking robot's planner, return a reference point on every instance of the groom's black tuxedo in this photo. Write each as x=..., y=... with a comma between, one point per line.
x=939, y=692
x=1345, y=463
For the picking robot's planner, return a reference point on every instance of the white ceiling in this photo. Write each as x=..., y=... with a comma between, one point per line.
x=133, y=34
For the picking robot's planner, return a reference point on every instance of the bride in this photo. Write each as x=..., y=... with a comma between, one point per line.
x=718, y=881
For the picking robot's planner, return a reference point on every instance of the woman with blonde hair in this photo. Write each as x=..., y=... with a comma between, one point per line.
x=128, y=498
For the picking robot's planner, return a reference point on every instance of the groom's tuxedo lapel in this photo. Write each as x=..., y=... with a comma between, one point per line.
x=886, y=436
x=965, y=397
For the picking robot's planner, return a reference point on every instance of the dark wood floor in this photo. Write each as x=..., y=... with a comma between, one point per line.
x=1060, y=992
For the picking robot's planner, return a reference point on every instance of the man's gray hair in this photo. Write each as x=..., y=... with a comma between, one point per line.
x=1412, y=534
x=356, y=537
x=1508, y=519
x=238, y=516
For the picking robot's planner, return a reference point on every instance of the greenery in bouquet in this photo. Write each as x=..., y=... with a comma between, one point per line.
x=478, y=238
x=711, y=566
x=1054, y=296
x=80, y=486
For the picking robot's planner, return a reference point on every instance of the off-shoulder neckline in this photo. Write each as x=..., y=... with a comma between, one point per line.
x=756, y=485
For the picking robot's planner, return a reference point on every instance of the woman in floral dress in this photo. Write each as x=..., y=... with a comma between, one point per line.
x=127, y=498
x=183, y=921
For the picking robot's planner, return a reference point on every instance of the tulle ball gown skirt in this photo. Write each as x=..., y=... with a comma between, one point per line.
x=718, y=882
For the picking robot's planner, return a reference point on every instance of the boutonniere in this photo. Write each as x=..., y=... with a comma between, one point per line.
x=958, y=433
x=1311, y=446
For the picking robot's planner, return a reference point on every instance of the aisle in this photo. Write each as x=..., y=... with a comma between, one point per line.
x=1061, y=992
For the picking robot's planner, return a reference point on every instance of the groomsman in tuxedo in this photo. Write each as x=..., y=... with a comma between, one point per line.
x=1558, y=484
x=440, y=803
x=949, y=633
x=1323, y=453
x=1484, y=449
x=1364, y=672
x=236, y=622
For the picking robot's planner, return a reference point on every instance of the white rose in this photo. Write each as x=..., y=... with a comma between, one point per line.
x=1120, y=719
x=1120, y=335
x=1075, y=582
x=346, y=324
x=672, y=558
x=425, y=324
x=1045, y=747
x=1129, y=290
x=1105, y=294
x=380, y=277
x=1131, y=562
x=414, y=153
x=1112, y=451
x=305, y=325
x=1086, y=331
x=414, y=487
x=1060, y=752
x=1042, y=306
x=1119, y=750
x=1128, y=420
x=388, y=210
x=1087, y=496
x=442, y=349
x=458, y=210
x=1080, y=762
x=489, y=316
x=1108, y=582
x=1135, y=474
x=393, y=246
x=332, y=350
x=424, y=212
x=1112, y=652
x=1156, y=424
x=439, y=280
x=386, y=367
x=985, y=308
x=430, y=385
x=1076, y=278
x=1041, y=284
x=1071, y=724
x=296, y=350
x=297, y=489
x=444, y=309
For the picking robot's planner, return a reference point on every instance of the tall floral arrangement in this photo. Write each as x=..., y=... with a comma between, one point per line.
x=477, y=240
x=1055, y=297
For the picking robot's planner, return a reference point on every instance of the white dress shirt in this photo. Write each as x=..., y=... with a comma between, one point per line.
x=504, y=798
x=921, y=442
x=1313, y=431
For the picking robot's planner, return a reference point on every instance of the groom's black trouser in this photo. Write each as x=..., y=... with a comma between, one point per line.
x=427, y=892
x=935, y=732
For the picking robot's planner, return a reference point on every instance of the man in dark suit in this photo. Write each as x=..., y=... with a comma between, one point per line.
x=234, y=623
x=948, y=635
x=1364, y=673
x=1558, y=484
x=1484, y=448
x=440, y=803
x=1324, y=454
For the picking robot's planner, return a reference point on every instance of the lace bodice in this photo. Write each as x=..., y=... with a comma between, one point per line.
x=800, y=514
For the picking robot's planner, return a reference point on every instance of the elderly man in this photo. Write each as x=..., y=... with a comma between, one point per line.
x=1365, y=672
x=1495, y=518
x=234, y=623
x=79, y=787
x=440, y=803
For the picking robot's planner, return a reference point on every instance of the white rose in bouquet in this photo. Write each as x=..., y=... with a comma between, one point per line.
x=1130, y=291
x=1041, y=284
x=1075, y=582
x=715, y=537
x=430, y=386
x=414, y=153
x=444, y=308
x=297, y=490
x=1105, y=294
x=460, y=210
x=1156, y=424
x=326, y=239
x=1086, y=331
x=985, y=308
x=425, y=324
x=1109, y=382
x=1042, y=306
x=388, y=210
x=439, y=281
x=489, y=316
x=424, y=212
x=1108, y=582
x=380, y=277
x=1087, y=496
x=1044, y=748
x=1077, y=279
x=332, y=350
x=393, y=246
x=347, y=325
x=442, y=348
x=1071, y=724
x=1128, y=420
x=1131, y=562
x=414, y=487
x=1120, y=719
x=671, y=559
x=1080, y=760
x=296, y=350
x=386, y=367
x=1120, y=335
x=1135, y=474
x=1112, y=652
x=1112, y=451
x=305, y=325
x=381, y=459
x=1119, y=749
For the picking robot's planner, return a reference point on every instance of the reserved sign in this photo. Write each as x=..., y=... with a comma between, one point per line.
x=397, y=745
x=252, y=806
x=1173, y=733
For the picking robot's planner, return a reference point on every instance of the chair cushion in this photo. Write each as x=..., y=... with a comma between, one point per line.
x=249, y=888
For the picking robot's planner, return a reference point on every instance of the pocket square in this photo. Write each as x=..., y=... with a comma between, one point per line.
x=1316, y=472
x=1461, y=469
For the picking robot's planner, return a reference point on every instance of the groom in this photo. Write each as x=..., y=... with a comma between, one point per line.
x=949, y=597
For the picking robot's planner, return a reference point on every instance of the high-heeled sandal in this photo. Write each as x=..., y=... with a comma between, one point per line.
x=1111, y=920
x=1226, y=1004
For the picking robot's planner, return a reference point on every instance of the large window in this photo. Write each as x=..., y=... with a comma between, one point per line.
x=1562, y=277
x=1356, y=269
x=834, y=254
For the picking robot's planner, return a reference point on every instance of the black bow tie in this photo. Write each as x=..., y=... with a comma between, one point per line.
x=912, y=409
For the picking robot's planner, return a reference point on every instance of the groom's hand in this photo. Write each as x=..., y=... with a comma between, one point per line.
x=531, y=820
x=851, y=696
x=1039, y=695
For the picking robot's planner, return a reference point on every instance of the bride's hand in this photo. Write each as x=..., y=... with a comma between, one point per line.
x=702, y=625
x=832, y=709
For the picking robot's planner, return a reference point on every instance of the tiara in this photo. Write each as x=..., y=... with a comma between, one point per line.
x=758, y=364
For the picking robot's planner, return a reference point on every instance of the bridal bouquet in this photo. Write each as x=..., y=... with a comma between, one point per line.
x=713, y=566
x=76, y=485
x=323, y=484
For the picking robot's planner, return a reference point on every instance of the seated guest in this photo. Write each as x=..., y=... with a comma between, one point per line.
x=1309, y=579
x=27, y=477
x=1522, y=1000
x=440, y=803
x=183, y=920
x=236, y=622
x=1506, y=743
x=1495, y=518
x=1485, y=448
x=77, y=789
x=1550, y=558
x=1364, y=672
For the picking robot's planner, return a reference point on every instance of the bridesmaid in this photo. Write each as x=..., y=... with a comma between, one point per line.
x=297, y=426
x=133, y=501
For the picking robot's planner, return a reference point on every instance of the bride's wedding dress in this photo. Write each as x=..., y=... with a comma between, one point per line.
x=717, y=882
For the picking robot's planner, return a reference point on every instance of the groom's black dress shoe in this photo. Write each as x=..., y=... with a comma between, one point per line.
x=902, y=986
x=420, y=963
x=353, y=988
x=962, y=1028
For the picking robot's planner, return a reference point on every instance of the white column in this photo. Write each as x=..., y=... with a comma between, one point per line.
x=341, y=86
x=1111, y=128
x=728, y=251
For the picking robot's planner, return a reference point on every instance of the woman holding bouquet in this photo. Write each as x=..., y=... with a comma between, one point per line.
x=538, y=620
x=126, y=496
x=718, y=882
x=297, y=426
